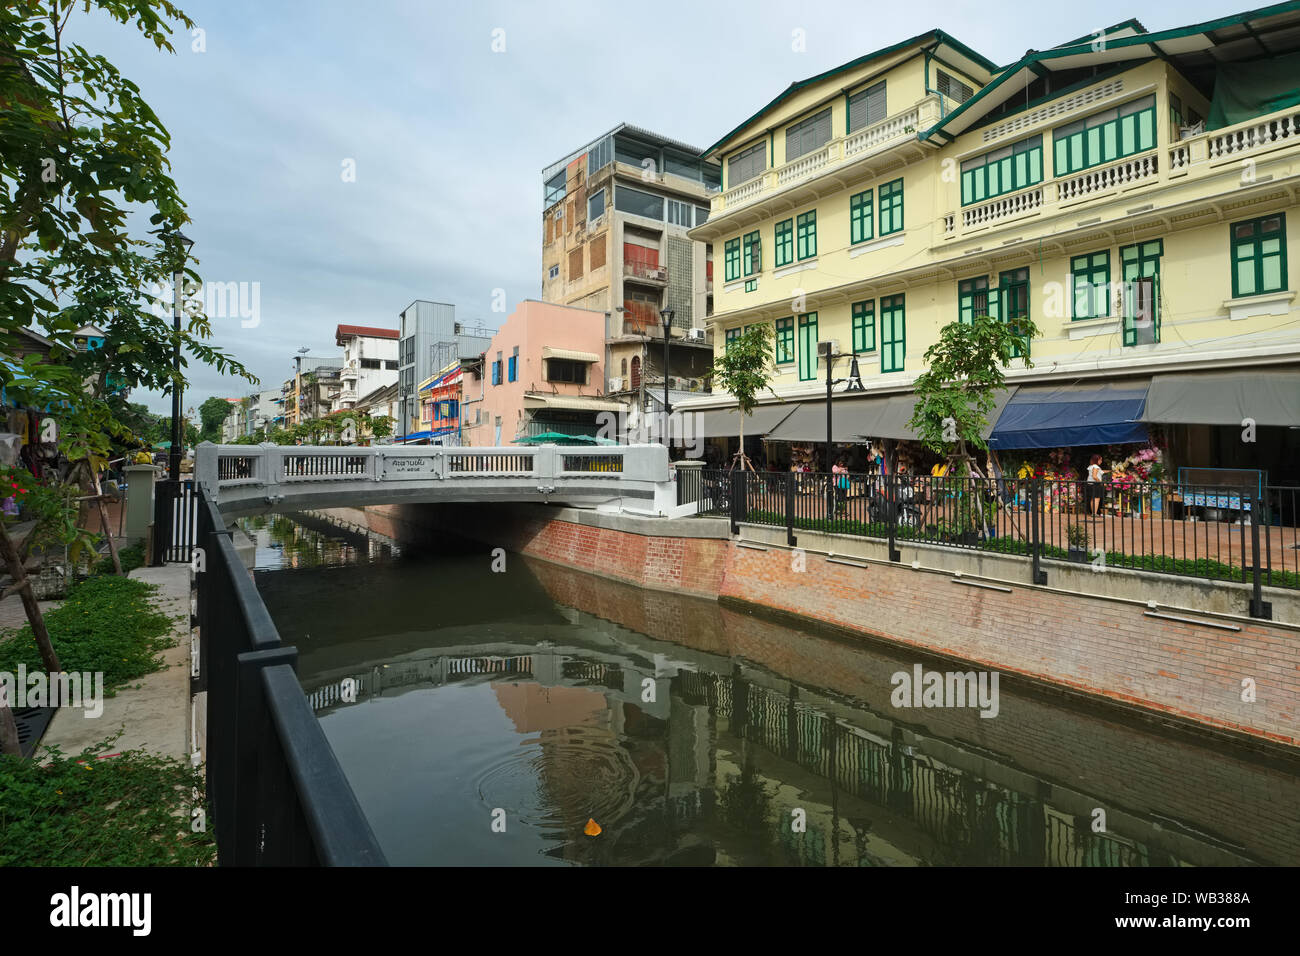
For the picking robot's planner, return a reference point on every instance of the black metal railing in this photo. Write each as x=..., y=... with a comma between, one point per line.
x=277, y=793
x=1212, y=532
x=175, y=515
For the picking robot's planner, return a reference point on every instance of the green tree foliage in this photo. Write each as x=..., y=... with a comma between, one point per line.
x=964, y=371
x=212, y=413
x=744, y=369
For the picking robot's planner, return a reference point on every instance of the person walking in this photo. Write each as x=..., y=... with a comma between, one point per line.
x=1096, y=485
x=841, y=473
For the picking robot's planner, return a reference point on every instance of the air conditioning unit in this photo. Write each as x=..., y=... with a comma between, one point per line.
x=695, y=335
x=661, y=274
x=831, y=347
x=615, y=384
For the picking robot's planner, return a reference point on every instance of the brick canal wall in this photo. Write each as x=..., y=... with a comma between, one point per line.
x=1103, y=646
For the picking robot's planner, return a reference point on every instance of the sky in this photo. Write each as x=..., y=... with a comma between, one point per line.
x=342, y=159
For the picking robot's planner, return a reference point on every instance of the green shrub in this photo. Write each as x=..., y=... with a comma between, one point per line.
x=106, y=624
x=132, y=557
x=133, y=809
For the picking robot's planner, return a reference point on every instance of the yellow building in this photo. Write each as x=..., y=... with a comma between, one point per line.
x=1129, y=191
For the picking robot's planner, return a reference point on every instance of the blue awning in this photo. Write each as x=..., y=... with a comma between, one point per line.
x=1065, y=416
x=415, y=436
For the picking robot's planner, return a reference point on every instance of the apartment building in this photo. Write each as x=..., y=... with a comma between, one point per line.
x=369, y=362
x=615, y=222
x=429, y=339
x=543, y=376
x=1133, y=193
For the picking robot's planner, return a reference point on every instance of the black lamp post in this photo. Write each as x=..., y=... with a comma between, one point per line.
x=667, y=316
x=178, y=278
x=830, y=354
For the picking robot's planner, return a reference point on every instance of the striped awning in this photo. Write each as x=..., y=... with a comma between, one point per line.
x=572, y=355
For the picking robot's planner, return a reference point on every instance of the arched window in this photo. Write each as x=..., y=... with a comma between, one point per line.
x=624, y=371
x=636, y=371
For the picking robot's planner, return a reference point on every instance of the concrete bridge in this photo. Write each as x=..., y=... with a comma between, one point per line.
x=244, y=479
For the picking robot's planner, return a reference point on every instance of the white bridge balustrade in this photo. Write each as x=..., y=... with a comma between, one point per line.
x=251, y=478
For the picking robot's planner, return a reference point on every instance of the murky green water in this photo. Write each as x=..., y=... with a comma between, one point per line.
x=485, y=717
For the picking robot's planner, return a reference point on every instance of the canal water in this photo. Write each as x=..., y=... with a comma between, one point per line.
x=494, y=709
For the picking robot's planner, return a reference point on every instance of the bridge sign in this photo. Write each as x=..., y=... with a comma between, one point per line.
x=409, y=467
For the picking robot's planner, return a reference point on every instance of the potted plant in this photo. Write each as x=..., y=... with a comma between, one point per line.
x=1077, y=536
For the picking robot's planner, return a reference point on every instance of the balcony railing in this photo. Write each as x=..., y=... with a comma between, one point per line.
x=842, y=149
x=1107, y=178
x=1256, y=135
x=1004, y=207
x=644, y=269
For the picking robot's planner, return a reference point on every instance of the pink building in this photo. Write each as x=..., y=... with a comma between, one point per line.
x=543, y=372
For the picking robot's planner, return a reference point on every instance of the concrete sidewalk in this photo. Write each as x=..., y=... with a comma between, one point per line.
x=153, y=713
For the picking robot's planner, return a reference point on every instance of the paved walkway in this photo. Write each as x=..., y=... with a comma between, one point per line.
x=154, y=713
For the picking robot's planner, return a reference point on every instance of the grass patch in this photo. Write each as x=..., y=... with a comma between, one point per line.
x=134, y=809
x=132, y=557
x=106, y=624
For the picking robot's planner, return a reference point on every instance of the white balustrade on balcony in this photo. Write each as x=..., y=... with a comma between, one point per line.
x=873, y=136
x=949, y=224
x=1262, y=135
x=805, y=165
x=1006, y=207
x=1107, y=178
x=743, y=193
x=1180, y=159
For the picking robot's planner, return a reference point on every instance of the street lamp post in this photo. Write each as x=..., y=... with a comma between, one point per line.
x=178, y=430
x=667, y=316
x=830, y=353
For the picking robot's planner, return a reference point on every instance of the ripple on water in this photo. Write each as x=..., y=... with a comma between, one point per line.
x=557, y=779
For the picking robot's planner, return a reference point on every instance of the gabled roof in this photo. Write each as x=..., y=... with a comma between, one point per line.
x=954, y=48
x=1195, y=51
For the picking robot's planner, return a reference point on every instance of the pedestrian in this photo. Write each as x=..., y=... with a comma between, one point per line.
x=1096, y=488
x=841, y=473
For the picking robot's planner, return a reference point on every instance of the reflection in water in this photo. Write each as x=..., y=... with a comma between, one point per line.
x=697, y=735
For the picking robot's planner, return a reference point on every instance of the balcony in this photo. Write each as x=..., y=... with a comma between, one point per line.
x=643, y=270
x=1218, y=153
x=840, y=151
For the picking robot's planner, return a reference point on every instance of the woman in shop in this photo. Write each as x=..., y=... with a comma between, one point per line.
x=1096, y=487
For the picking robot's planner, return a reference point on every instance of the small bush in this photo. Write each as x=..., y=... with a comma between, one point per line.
x=106, y=624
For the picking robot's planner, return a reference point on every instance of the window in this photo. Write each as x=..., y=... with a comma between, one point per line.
x=1015, y=166
x=554, y=272
x=808, y=346
x=953, y=88
x=731, y=337
x=753, y=254
x=566, y=370
x=1090, y=280
x=1013, y=295
x=867, y=107
x=731, y=259
x=637, y=203
x=555, y=189
x=390, y=363
x=600, y=155
x=1105, y=136
x=1259, y=256
x=679, y=213
x=701, y=215
x=864, y=326
x=972, y=299
x=785, y=341
x=496, y=370
x=370, y=363
x=784, y=242
x=806, y=234
x=860, y=221
x=512, y=370
x=746, y=164
x=810, y=134
x=1140, y=271
x=1175, y=116
x=893, y=333
x=891, y=207
x=596, y=206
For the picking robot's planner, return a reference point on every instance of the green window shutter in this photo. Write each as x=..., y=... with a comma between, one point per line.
x=864, y=326
x=1258, y=255
x=808, y=347
x=1140, y=272
x=893, y=333
x=1014, y=298
x=753, y=254
x=1003, y=170
x=1105, y=137
x=860, y=218
x=784, y=242
x=1090, y=285
x=891, y=207
x=785, y=341
x=731, y=259
x=807, y=234
x=731, y=336
x=972, y=299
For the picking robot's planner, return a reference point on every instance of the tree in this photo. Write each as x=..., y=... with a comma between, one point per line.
x=83, y=166
x=379, y=426
x=744, y=369
x=212, y=413
x=956, y=392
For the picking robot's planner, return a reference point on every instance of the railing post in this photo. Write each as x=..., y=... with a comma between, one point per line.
x=1258, y=606
x=163, y=508
x=1039, y=576
x=262, y=791
x=738, y=485
x=890, y=490
x=790, y=539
